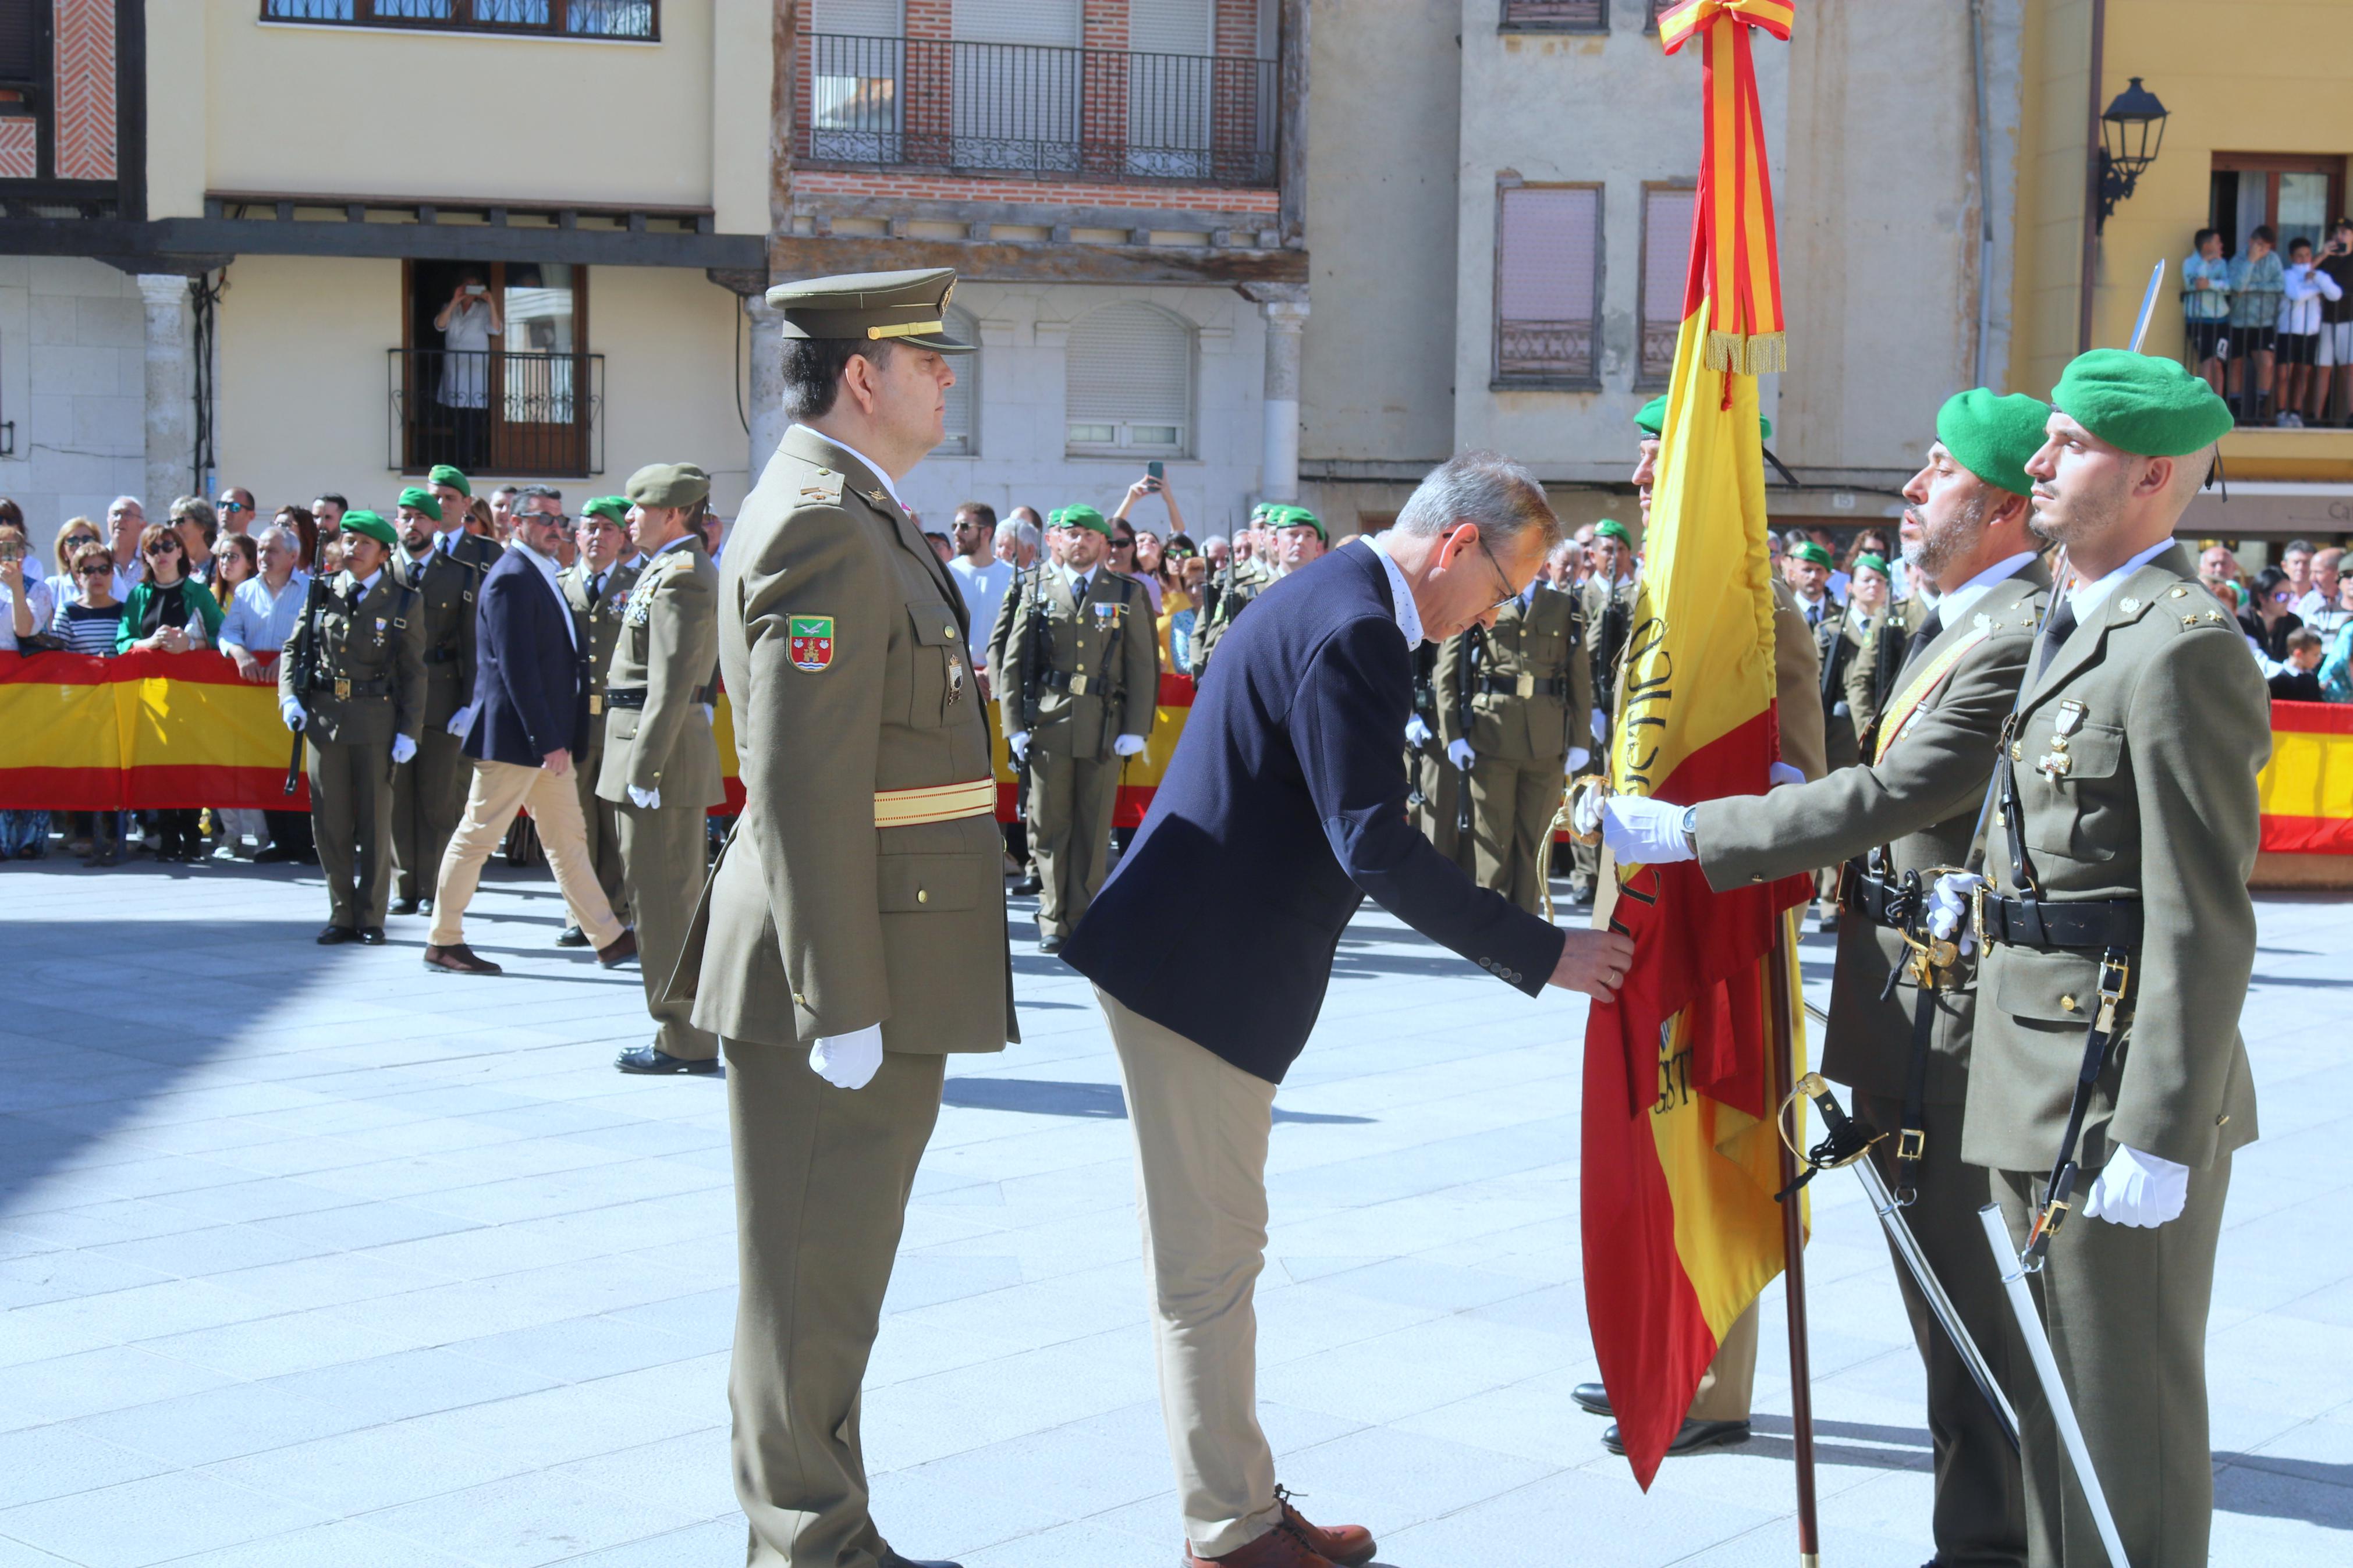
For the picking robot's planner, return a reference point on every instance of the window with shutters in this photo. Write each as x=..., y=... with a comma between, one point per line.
x=1556, y=15
x=1128, y=383
x=1666, y=267
x=1547, y=284
x=638, y=20
x=962, y=423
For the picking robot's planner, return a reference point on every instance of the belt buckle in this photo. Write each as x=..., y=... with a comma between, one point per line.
x=343, y=687
x=596, y=705
x=1977, y=913
x=2116, y=971
x=1524, y=686
x=1911, y=1143
x=1078, y=686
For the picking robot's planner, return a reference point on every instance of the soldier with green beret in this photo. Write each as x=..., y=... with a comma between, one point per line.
x=852, y=933
x=660, y=768
x=442, y=565
x=1077, y=694
x=1606, y=620
x=352, y=680
x=595, y=587
x=441, y=476
x=1299, y=537
x=1230, y=589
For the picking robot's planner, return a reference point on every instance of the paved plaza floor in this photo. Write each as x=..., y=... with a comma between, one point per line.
x=312, y=1259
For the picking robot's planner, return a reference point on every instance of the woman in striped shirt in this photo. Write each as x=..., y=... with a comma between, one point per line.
x=89, y=622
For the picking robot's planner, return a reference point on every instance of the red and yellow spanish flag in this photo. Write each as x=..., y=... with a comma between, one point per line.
x=2307, y=788
x=1680, y=1153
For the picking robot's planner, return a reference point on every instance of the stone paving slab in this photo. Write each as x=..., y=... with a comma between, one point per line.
x=310, y=1258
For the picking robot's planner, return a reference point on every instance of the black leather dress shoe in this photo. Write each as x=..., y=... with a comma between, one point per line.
x=404, y=906
x=572, y=936
x=1696, y=1437
x=892, y=1559
x=333, y=935
x=275, y=854
x=1027, y=886
x=653, y=1059
x=1592, y=1397
x=1050, y=944
x=372, y=936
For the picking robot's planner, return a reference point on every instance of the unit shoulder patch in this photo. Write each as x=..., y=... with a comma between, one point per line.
x=811, y=641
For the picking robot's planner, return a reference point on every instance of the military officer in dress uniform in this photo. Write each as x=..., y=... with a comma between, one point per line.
x=852, y=933
x=1894, y=820
x=352, y=680
x=596, y=588
x=1436, y=800
x=1871, y=676
x=1838, y=639
x=1515, y=699
x=2115, y=923
x=660, y=768
x=1082, y=679
x=1606, y=611
x=1230, y=590
x=443, y=565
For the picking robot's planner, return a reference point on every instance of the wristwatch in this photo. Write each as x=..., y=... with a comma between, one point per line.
x=1691, y=839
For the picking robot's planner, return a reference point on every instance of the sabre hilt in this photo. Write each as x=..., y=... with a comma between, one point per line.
x=1845, y=1139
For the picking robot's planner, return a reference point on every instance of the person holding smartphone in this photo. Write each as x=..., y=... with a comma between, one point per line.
x=466, y=324
x=2335, y=263
x=1123, y=560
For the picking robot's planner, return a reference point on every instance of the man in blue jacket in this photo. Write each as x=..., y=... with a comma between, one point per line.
x=1285, y=805
x=529, y=714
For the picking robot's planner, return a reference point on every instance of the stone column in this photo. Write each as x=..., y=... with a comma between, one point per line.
x=171, y=390
x=765, y=406
x=1279, y=473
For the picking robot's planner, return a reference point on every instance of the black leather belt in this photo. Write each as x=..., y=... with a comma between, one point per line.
x=1063, y=680
x=1523, y=686
x=2041, y=924
x=348, y=688
x=1879, y=903
x=444, y=655
x=635, y=696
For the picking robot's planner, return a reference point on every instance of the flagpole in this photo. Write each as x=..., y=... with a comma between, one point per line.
x=1793, y=1260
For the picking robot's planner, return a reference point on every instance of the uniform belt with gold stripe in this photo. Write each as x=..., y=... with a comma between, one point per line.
x=934, y=803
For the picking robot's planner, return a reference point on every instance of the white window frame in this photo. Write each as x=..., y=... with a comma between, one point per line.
x=1123, y=432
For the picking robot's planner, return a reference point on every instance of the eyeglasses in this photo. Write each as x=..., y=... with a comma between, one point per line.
x=75, y=542
x=165, y=547
x=1510, y=592
x=1118, y=543
x=99, y=570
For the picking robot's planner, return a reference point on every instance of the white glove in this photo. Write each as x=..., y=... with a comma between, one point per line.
x=402, y=748
x=1127, y=745
x=2138, y=1189
x=647, y=799
x=1416, y=734
x=1781, y=774
x=848, y=1061
x=709, y=712
x=1578, y=757
x=1644, y=832
x=291, y=711
x=1948, y=909
x=1601, y=725
x=1458, y=752
x=1587, y=812
x=1018, y=743
x=462, y=720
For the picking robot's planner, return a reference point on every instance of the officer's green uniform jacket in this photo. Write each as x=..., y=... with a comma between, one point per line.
x=667, y=649
x=1871, y=675
x=447, y=583
x=1837, y=641
x=1537, y=653
x=598, y=623
x=2156, y=801
x=1230, y=593
x=1105, y=655
x=843, y=647
x=1920, y=802
x=371, y=642
x=1608, y=618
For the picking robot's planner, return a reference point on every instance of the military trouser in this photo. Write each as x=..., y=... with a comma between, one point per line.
x=1439, y=814
x=601, y=821
x=351, y=817
x=428, y=801
x=666, y=852
x=1728, y=1387
x=822, y=1177
x=1981, y=1511
x=1071, y=801
x=1511, y=809
x=2125, y=1309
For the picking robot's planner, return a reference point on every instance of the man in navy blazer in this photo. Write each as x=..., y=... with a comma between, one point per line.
x=1284, y=807
x=530, y=714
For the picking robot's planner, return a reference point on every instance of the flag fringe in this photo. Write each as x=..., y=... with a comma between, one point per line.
x=1765, y=353
x=1768, y=353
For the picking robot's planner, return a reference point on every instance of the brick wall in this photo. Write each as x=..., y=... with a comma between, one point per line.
x=1237, y=28
x=815, y=183
x=930, y=18
x=85, y=133
x=1105, y=24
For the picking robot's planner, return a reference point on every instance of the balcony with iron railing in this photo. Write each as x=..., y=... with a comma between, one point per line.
x=1038, y=112
x=532, y=414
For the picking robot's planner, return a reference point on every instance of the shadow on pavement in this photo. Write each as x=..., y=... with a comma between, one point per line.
x=1103, y=1101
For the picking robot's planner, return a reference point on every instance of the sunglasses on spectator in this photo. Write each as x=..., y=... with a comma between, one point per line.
x=97, y=569
x=165, y=547
x=76, y=541
x=1119, y=543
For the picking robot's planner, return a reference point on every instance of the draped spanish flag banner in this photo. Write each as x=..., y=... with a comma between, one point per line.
x=1680, y=1155
x=2307, y=788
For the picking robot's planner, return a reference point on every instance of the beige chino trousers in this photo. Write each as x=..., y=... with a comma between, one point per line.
x=497, y=792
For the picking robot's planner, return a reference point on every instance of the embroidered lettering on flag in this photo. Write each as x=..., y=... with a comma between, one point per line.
x=812, y=641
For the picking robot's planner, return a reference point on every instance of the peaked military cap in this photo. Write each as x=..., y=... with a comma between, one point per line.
x=667, y=485
x=873, y=307
x=373, y=525
x=422, y=500
x=443, y=474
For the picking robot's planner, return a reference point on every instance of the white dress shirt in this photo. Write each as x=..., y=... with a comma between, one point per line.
x=548, y=567
x=1409, y=615
x=1952, y=606
x=2086, y=598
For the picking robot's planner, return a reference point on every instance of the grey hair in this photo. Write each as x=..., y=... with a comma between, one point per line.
x=1010, y=528
x=1486, y=487
x=1216, y=539
x=292, y=539
x=1026, y=533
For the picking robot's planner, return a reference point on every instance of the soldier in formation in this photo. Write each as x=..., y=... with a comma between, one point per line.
x=1230, y=589
x=442, y=565
x=596, y=588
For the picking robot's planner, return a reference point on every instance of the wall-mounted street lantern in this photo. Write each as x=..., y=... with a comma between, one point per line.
x=2131, y=132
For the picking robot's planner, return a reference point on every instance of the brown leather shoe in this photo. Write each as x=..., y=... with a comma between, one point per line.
x=619, y=951
x=1278, y=1547
x=1350, y=1545
x=458, y=959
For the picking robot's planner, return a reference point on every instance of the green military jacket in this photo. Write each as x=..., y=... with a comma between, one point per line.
x=1529, y=686
x=667, y=649
x=1871, y=675
x=2162, y=719
x=596, y=619
x=1230, y=591
x=1836, y=641
x=1609, y=617
x=1919, y=803
x=368, y=683
x=1094, y=664
x=843, y=644
x=447, y=584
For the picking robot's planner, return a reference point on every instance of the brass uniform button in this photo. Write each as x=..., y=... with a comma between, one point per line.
x=2068, y=1002
x=947, y=631
x=922, y=896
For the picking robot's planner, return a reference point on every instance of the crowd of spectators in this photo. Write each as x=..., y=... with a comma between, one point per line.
x=2273, y=333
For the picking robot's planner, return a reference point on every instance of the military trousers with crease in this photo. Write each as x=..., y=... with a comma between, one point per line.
x=1981, y=1508
x=500, y=790
x=1071, y=801
x=1201, y=1126
x=1511, y=807
x=600, y=823
x=665, y=849
x=429, y=799
x=1440, y=814
x=351, y=817
x=822, y=1177
x=2125, y=1309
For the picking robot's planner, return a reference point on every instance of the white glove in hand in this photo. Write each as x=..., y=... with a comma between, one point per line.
x=1416, y=734
x=1458, y=752
x=1600, y=726
x=1127, y=745
x=2138, y=1189
x=1578, y=757
x=462, y=720
x=1587, y=812
x=848, y=1061
x=1781, y=774
x=1948, y=909
x=1018, y=743
x=291, y=711
x=1643, y=832
x=402, y=748
x=647, y=799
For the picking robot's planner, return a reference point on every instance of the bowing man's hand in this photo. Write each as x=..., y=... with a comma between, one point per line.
x=1594, y=962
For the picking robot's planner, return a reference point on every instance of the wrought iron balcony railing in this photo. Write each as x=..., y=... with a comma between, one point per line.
x=539, y=415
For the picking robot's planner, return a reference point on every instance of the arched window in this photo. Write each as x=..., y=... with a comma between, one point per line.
x=1129, y=383
x=963, y=422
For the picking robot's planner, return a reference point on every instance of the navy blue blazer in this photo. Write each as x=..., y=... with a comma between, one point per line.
x=531, y=694
x=1282, y=809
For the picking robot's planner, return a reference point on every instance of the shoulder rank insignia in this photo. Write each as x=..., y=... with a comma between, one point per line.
x=826, y=487
x=811, y=643
x=881, y=498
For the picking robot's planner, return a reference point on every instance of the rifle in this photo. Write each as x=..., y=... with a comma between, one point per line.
x=1033, y=644
x=1476, y=644
x=1114, y=702
x=306, y=667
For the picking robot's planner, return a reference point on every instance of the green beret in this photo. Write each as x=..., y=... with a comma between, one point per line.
x=1867, y=561
x=1610, y=527
x=1813, y=553
x=1080, y=517
x=423, y=500
x=667, y=485
x=1992, y=437
x=1261, y=513
x=2140, y=404
x=443, y=474
x=1299, y=517
x=615, y=507
x=372, y=524
x=1652, y=418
